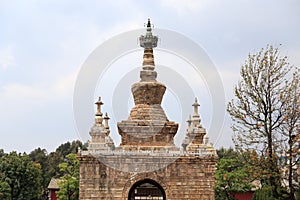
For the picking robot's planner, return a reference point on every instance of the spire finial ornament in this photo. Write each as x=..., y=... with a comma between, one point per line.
x=98, y=115
x=149, y=23
x=196, y=105
x=106, y=118
x=99, y=103
x=148, y=41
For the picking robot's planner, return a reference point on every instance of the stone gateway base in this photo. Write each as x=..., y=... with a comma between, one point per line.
x=189, y=177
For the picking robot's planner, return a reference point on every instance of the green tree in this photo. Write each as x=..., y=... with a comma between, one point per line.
x=264, y=193
x=40, y=156
x=232, y=176
x=2, y=152
x=69, y=182
x=57, y=157
x=53, y=160
x=227, y=153
x=5, y=192
x=20, y=176
x=67, y=148
x=258, y=111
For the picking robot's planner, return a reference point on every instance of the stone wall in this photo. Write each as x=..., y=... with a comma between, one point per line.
x=186, y=177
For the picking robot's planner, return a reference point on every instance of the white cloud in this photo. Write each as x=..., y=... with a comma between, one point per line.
x=19, y=91
x=32, y=114
x=33, y=94
x=187, y=6
x=63, y=88
x=92, y=35
x=6, y=57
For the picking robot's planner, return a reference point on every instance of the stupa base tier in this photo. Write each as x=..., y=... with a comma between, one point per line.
x=145, y=133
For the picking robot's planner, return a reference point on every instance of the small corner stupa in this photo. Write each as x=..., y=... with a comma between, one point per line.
x=101, y=141
x=147, y=164
x=196, y=138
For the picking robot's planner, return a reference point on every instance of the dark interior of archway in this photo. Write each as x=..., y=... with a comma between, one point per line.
x=146, y=189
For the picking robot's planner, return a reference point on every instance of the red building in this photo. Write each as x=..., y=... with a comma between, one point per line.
x=53, y=188
x=243, y=196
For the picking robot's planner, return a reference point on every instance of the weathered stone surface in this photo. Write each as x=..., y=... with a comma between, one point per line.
x=147, y=133
x=148, y=93
x=147, y=153
x=148, y=112
x=189, y=177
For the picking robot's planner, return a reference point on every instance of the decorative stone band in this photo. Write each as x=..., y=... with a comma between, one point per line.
x=148, y=112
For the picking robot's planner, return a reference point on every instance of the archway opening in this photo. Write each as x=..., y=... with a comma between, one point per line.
x=146, y=189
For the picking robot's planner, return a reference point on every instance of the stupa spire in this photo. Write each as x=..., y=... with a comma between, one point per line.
x=147, y=124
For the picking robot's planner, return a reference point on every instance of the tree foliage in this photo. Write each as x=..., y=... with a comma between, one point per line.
x=69, y=182
x=262, y=105
x=40, y=156
x=57, y=157
x=227, y=153
x=232, y=176
x=50, y=162
x=19, y=176
x=25, y=176
x=5, y=191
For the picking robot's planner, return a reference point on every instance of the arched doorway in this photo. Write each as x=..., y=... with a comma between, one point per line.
x=146, y=189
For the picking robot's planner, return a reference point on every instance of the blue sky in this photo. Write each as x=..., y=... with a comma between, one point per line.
x=43, y=45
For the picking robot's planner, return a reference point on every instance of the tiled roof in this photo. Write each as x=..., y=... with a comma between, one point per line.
x=53, y=183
